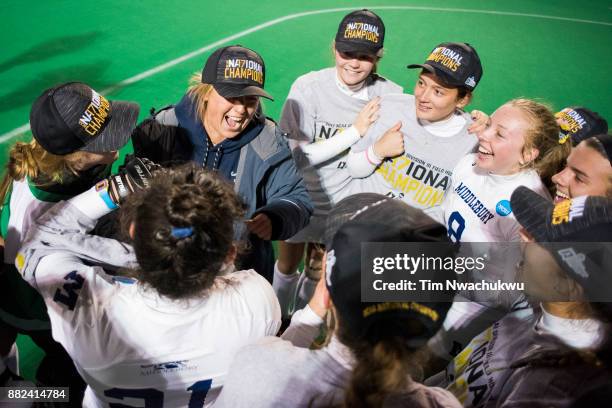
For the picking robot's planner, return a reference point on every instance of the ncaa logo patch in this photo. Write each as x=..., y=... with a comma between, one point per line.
x=503, y=208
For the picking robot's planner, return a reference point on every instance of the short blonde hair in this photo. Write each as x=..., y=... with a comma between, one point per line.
x=199, y=92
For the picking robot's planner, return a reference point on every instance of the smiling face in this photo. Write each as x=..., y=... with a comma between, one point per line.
x=227, y=118
x=434, y=101
x=354, y=68
x=587, y=172
x=500, y=149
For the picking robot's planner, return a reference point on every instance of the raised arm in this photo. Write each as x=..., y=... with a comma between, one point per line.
x=65, y=227
x=316, y=153
x=362, y=163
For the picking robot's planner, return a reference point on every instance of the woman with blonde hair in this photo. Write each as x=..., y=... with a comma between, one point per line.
x=219, y=124
x=77, y=133
x=519, y=147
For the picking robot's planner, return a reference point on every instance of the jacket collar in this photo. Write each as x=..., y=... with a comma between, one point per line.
x=271, y=146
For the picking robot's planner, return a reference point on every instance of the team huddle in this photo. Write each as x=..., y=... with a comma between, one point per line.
x=158, y=286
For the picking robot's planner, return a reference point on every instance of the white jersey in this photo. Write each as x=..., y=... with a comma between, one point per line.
x=130, y=344
x=477, y=207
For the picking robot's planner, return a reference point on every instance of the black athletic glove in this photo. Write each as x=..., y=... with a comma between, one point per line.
x=134, y=175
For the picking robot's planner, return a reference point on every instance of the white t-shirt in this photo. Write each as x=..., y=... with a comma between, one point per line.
x=283, y=372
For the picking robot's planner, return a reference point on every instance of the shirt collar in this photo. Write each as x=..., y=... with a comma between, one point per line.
x=359, y=91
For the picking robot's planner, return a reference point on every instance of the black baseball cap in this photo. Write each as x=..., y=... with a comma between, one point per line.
x=72, y=116
x=361, y=31
x=606, y=143
x=456, y=64
x=584, y=227
x=236, y=71
x=369, y=217
x=578, y=123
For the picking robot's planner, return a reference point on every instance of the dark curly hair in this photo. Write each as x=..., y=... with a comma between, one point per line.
x=181, y=266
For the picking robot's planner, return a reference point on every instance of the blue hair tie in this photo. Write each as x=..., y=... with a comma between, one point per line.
x=180, y=233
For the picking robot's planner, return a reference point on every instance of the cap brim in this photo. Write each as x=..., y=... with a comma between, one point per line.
x=409, y=222
x=426, y=67
x=532, y=211
x=345, y=210
x=236, y=91
x=347, y=46
x=119, y=129
x=448, y=80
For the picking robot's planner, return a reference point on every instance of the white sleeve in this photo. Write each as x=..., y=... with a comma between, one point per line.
x=316, y=153
x=298, y=118
x=304, y=328
x=440, y=212
x=262, y=301
x=362, y=161
x=375, y=132
x=362, y=164
x=64, y=229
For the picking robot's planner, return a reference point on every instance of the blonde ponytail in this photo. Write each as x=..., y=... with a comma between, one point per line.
x=31, y=160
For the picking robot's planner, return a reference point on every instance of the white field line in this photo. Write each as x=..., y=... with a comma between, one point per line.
x=160, y=68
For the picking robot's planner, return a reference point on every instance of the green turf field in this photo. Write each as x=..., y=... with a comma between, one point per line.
x=556, y=51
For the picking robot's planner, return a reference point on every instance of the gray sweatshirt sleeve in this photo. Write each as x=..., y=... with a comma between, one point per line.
x=297, y=117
